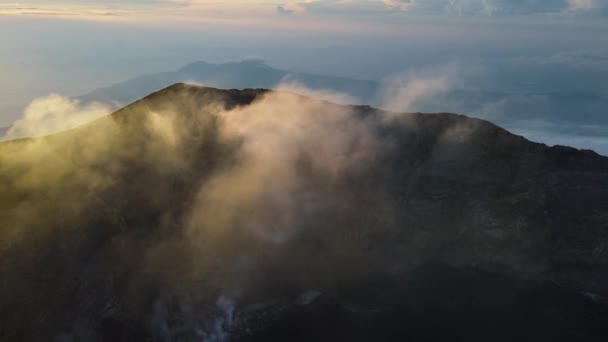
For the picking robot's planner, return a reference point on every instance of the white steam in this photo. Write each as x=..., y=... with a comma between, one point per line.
x=404, y=91
x=54, y=113
x=278, y=133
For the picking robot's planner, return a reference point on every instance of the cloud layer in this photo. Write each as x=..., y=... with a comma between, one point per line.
x=170, y=9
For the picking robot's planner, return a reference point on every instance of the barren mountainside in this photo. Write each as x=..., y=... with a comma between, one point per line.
x=199, y=214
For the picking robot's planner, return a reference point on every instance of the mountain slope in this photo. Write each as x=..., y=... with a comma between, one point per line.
x=205, y=214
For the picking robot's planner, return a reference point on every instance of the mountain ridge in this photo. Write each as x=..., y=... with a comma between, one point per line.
x=261, y=91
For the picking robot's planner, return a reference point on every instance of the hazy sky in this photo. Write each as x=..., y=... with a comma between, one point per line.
x=71, y=47
x=167, y=8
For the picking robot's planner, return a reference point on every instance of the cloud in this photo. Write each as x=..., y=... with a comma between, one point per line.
x=94, y=9
x=403, y=92
x=175, y=9
x=52, y=114
x=284, y=139
x=50, y=10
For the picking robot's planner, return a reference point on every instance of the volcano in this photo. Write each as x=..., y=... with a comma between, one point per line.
x=200, y=214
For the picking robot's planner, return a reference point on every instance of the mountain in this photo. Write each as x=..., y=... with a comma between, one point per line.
x=253, y=215
x=245, y=74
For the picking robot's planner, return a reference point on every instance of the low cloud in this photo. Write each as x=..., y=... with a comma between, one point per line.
x=282, y=135
x=52, y=114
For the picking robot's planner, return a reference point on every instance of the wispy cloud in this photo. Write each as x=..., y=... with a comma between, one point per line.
x=60, y=11
x=52, y=114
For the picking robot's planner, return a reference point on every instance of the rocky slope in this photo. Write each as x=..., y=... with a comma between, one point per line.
x=204, y=214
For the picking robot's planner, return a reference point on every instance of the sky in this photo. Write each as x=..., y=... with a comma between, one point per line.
x=147, y=9
x=71, y=47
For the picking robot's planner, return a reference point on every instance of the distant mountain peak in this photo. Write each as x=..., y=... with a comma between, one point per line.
x=250, y=73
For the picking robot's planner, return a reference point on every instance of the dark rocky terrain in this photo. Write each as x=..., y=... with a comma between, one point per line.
x=198, y=214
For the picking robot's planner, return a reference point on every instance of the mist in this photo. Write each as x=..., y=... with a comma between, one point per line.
x=53, y=114
x=261, y=192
